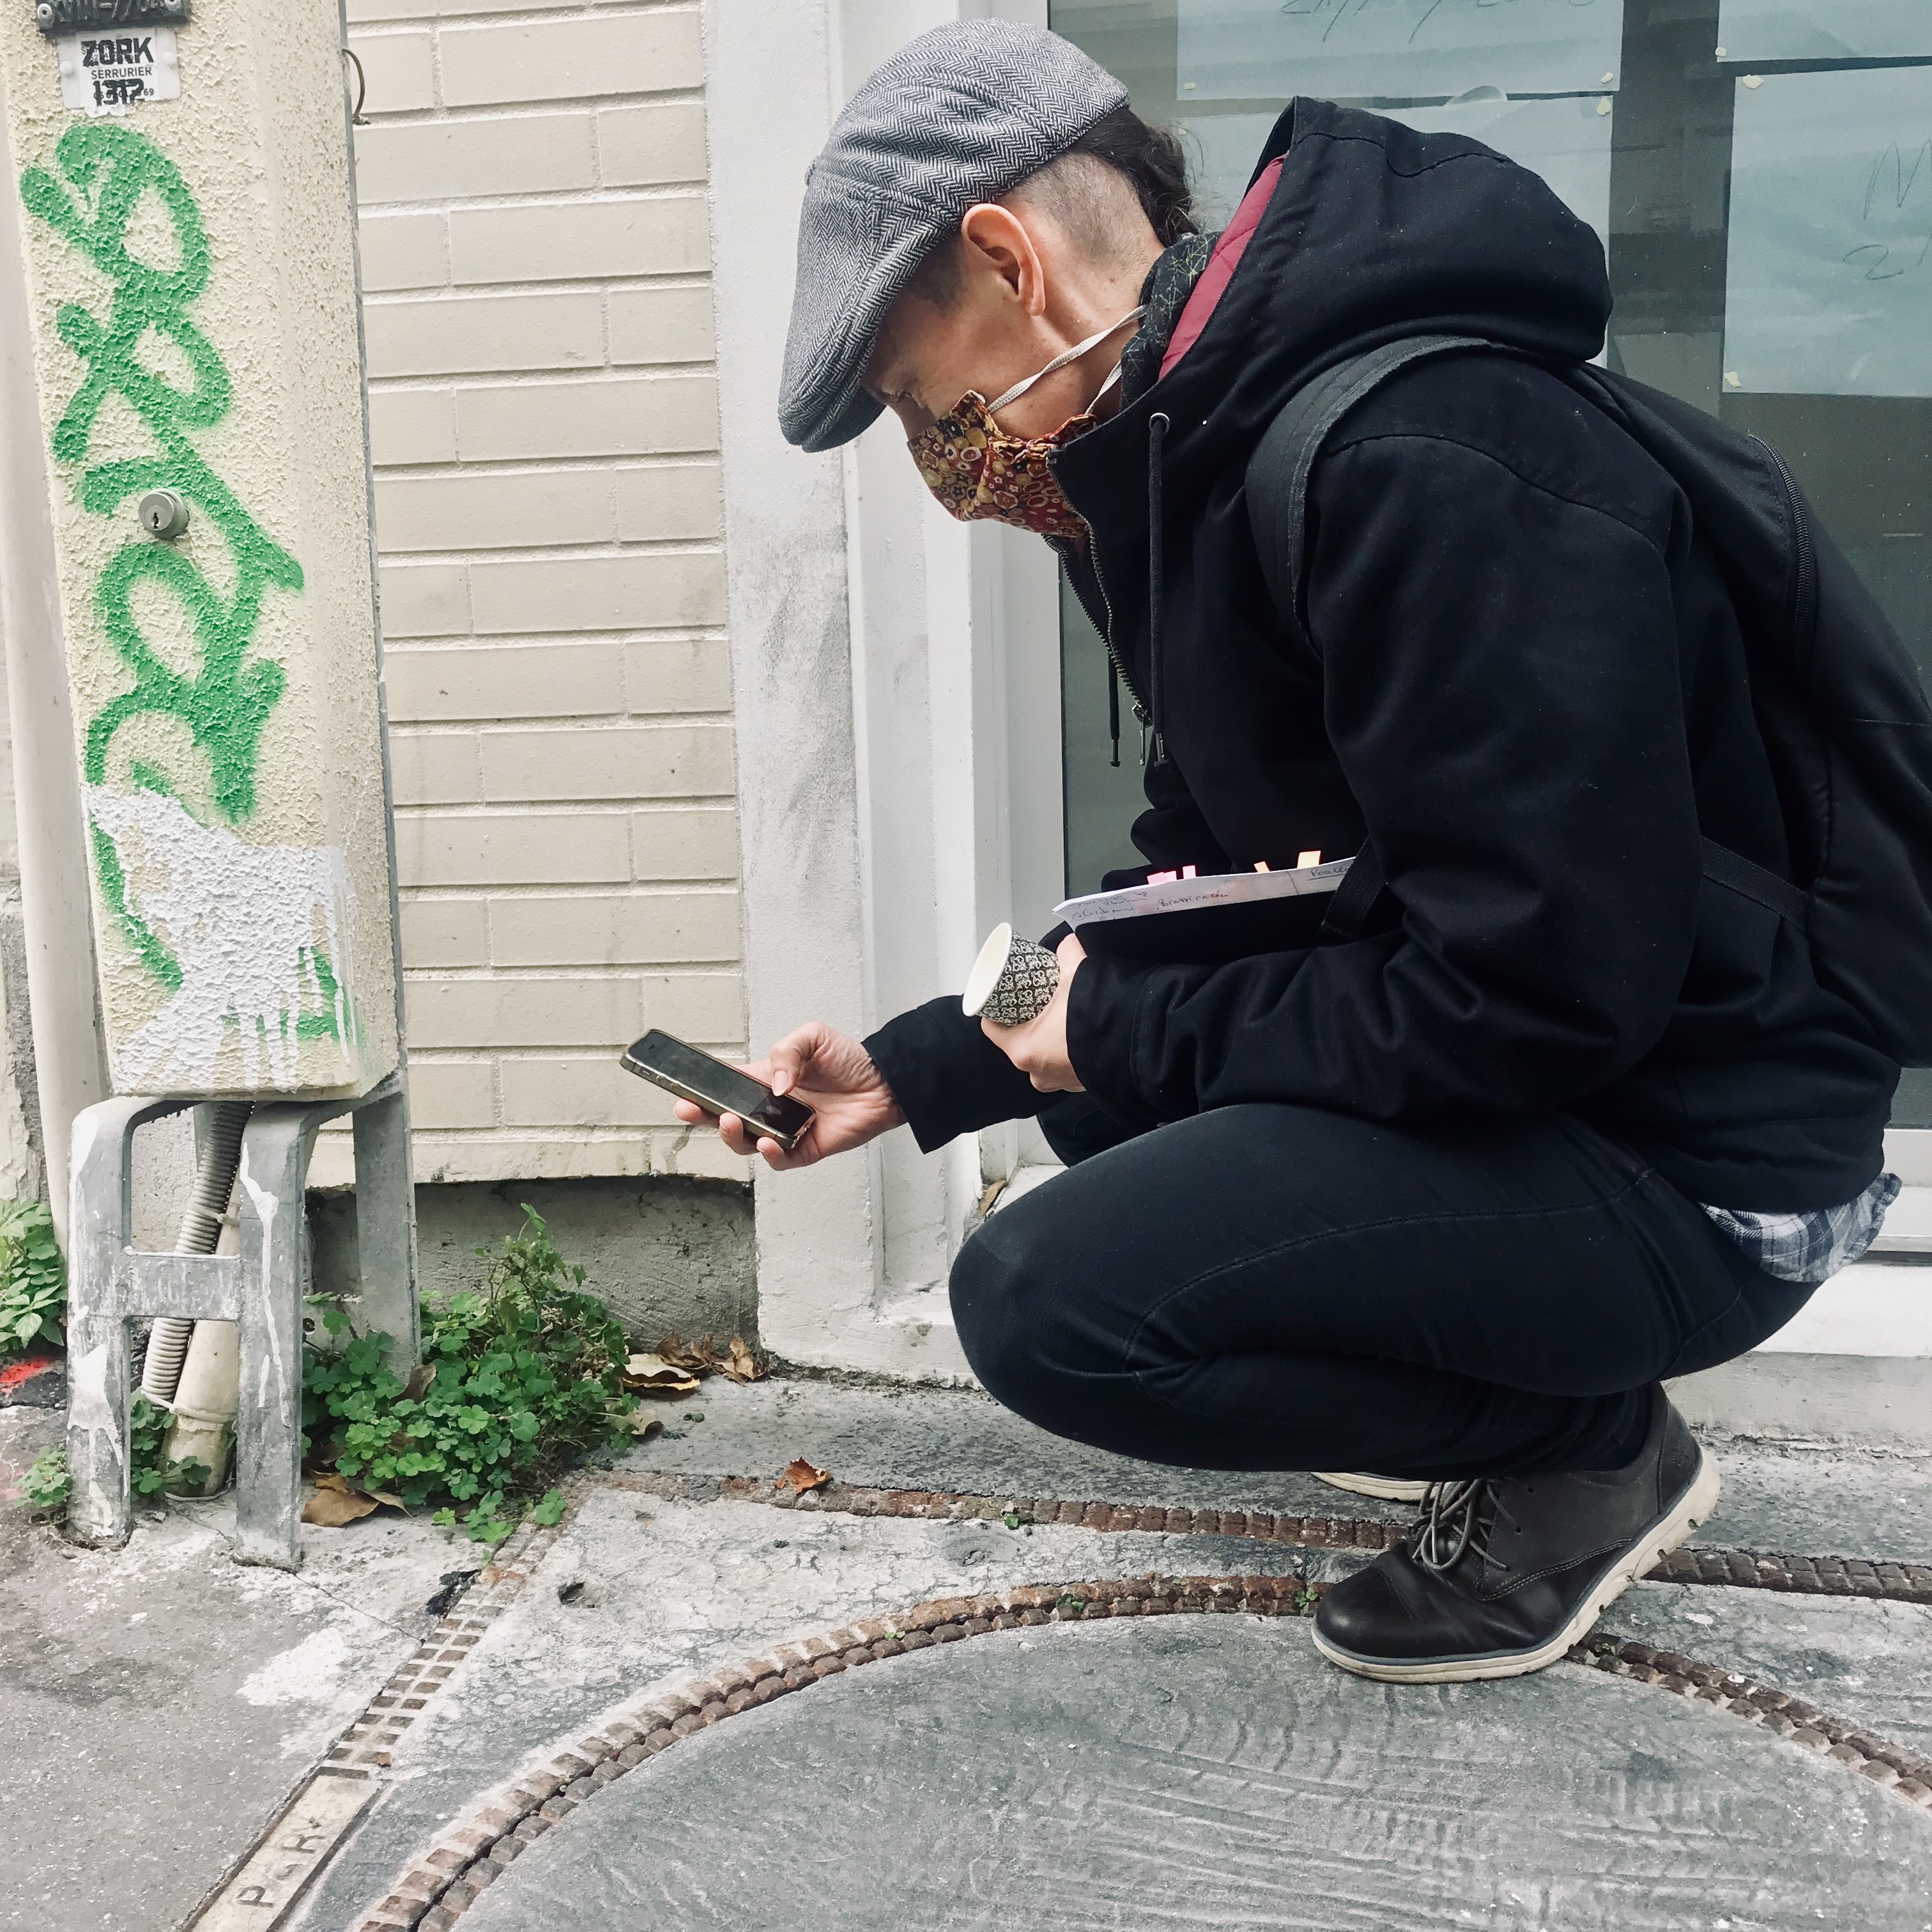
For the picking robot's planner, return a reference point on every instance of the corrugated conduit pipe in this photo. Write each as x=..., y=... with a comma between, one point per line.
x=200, y=1230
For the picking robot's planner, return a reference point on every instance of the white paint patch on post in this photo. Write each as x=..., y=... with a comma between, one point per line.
x=81, y=1144
x=87, y=1390
x=88, y=1408
x=266, y=1201
x=246, y=923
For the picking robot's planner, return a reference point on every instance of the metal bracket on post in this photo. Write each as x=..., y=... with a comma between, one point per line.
x=110, y=1285
x=56, y=17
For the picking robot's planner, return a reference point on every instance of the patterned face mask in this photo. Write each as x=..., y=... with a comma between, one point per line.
x=977, y=470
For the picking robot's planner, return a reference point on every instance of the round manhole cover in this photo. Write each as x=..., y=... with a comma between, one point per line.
x=1198, y=1771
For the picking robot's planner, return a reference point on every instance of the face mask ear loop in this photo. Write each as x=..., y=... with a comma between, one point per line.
x=1157, y=427
x=1060, y=362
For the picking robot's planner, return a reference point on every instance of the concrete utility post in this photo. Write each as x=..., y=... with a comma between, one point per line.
x=182, y=184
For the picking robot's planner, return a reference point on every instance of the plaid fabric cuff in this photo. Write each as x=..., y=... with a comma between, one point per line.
x=1814, y=1245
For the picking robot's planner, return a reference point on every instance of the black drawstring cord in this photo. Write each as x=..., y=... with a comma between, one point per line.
x=1113, y=706
x=1157, y=428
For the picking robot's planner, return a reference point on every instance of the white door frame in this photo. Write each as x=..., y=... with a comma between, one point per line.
x=897, y=692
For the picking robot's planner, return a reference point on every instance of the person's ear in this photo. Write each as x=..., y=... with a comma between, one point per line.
x=995, y=244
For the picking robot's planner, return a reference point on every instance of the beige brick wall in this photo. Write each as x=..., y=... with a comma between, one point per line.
x=535, y=257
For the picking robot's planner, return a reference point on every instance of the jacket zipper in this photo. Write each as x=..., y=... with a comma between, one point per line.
x=1803, y=601
x=1105, y=628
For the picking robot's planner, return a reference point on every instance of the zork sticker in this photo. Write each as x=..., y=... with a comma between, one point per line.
x=110, y=73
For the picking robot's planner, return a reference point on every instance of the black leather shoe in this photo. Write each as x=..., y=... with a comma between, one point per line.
x=1502, y=1575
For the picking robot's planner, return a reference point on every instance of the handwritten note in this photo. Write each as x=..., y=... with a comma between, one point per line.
x=1567, y=141
x=1359, y=49
x=1769, y=30
x=1828, y=290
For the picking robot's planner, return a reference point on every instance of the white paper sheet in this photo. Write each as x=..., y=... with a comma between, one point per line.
x=1566, y=141
x=1769, y=30
x=110, y=74
x=1356, y=49
x=1828, y=290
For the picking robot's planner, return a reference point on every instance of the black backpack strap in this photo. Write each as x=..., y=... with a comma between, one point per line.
x=1362, y=885
x=1737, y=874
x=1278, y=471
x=1277, y=489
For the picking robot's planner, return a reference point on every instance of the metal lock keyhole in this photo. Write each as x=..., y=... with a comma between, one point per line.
x=164, y=513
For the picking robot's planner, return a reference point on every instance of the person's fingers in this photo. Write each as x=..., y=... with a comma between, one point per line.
x=731, y=1131
x=788, y=1060
x=688, y=1111
x=775, y=1157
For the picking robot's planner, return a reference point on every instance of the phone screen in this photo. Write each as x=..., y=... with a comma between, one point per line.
x=697, y=1076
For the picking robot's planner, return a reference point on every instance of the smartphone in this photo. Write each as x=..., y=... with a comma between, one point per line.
x=718, y=1089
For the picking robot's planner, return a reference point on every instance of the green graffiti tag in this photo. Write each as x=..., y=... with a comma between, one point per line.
x=108, y=176
x=108, y=169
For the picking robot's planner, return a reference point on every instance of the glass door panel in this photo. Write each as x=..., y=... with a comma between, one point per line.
x=1766, y=207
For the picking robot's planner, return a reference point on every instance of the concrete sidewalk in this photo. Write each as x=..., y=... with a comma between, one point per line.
x=1096, y=1756
x=161, y=1703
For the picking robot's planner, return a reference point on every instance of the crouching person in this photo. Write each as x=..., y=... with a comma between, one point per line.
x=1572, y=1109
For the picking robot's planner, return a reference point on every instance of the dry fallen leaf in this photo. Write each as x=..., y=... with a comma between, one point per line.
x=637, y=1422
x=803, y=1476
x=337, y=1501
x=740, y=1365
x=421, y=1376
x=698, y=1359
x=652, y=1374
x=334, y=1504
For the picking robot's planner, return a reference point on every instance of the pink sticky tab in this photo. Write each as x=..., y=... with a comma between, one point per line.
x=1162, y=878
x=1308, y=858
x=1187, y=872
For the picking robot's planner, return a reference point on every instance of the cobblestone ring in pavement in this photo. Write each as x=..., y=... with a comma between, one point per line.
x=1196, y=1771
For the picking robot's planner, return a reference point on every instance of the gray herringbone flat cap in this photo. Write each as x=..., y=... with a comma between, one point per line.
x=957, y=116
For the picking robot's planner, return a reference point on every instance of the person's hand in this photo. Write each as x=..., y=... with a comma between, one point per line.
x=1039, y=1048
x=834, y=1075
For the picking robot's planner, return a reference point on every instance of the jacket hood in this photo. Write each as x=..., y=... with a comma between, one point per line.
x=1373, y=232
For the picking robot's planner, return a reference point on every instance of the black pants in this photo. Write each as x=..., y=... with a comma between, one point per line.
x=1274, y=1288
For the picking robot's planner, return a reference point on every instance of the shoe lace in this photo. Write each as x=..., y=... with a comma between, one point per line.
x=1454, y=1523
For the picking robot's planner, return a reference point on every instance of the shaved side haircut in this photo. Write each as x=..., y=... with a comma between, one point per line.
x=1120, y=166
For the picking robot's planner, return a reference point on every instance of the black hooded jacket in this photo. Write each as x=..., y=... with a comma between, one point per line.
x=1526, y=681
